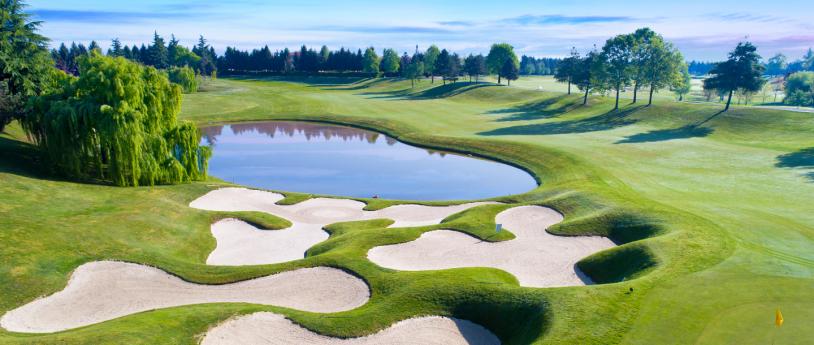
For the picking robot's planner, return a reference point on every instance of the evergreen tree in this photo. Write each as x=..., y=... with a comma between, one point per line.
x=741, y=71
x=116, y=48
x=25, y=66
x=157, y=53
x=443, y=65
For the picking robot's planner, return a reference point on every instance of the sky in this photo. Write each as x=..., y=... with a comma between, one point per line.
x=702, y=30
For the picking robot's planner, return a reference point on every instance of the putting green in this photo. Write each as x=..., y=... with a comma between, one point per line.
x=713, y=212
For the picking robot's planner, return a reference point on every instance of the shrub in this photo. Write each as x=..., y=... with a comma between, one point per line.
x=117, y=123
x=185, y=77
x=800, y=89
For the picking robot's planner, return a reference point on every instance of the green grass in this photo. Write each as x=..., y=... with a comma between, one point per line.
x=712, y=213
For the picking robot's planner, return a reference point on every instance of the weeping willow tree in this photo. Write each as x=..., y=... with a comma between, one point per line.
x=184, y=77
x=117, y=122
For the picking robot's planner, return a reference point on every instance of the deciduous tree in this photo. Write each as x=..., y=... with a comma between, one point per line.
x=498, y=55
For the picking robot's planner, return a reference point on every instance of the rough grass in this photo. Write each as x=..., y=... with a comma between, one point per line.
x=712, y=213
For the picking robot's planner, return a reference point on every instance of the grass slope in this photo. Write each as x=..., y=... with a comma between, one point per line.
x=712, y=211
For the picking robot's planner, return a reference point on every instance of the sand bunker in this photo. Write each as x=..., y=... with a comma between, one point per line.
x=535, y=257
x=106, y=290
x=239, y=243
x=269, y=328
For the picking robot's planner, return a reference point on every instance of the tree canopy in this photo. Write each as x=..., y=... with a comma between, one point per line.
x=499, y=53
x=117, y=122
x=617, y=56
x=24, y=62
x=371, y=61
x=800, y=89
x=742, y=71
x=390, y=61
x=568, y=68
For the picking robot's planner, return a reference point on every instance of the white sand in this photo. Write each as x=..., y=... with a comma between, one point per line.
x=106, y=290
x=239, y=243
x=269, y=328
x=535, y=257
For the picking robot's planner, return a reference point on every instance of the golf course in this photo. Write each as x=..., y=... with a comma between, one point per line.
x=708, y=213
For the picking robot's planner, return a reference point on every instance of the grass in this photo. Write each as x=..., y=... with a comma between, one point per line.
x=711, y=211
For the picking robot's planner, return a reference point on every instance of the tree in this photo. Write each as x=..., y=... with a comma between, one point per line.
x=684, y=84
x=644, y=46
x=777, y=65
x=430, y=58
x=808, y=60
x=510, y=71
x=172, y=51
x=390, y=61
x=741, y=71
x=800, y=89
x=663, y=68
x=206, y=65
x=443, y=65
x=498, y=55
x=184, y=77
x=567, y=69
x=475, y=66
x=617, y=55
x=158, y=56
x=116, y=48
x=371, y=61
x=587, y=71
x=117, y=122
x=25, y=65
x=414, y=71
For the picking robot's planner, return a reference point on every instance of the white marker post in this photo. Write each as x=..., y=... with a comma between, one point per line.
x=498, y=227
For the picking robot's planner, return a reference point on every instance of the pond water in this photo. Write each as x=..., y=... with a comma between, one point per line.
x=344, y=161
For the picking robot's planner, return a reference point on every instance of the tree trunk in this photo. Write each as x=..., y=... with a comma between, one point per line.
x=681, y=97
x=635, y=92
x=617, y=97
x=432, y=78
x=569, y=86
x=412, y=82
x=498, y=79
x=508, y=82
x=585, y=99
x=729, y=100
x=650, y=102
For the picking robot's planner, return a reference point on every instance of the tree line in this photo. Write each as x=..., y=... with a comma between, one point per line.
x=641, y=60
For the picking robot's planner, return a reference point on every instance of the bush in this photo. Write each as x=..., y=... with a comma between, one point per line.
x=800, y=89
x=185, y=77
x=117, y=123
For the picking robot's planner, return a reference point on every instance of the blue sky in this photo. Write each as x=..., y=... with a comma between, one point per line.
x=703, y=30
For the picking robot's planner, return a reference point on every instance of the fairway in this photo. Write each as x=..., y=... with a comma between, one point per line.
x=710, y=213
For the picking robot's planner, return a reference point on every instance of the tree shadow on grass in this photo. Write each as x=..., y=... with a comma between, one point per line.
x=440, y=91
x=544, y=109
x=686, y=132
x=803, y=159
x=19, y=158
x=607, y=121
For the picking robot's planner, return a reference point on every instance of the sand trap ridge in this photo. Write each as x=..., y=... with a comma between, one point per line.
x=239, y=243
x=105, y=290
x=535, y=257
x=269, y=328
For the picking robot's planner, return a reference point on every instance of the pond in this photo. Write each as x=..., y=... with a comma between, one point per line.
x=335, y=160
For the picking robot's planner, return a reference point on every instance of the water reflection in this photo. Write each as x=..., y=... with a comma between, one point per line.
x=327, y=159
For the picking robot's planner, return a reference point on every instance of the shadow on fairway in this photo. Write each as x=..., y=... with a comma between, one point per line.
x=19, y=158
x=544, y=109
x=686, y=132
x=604, y=122
x=438, y=92
x=803, y=159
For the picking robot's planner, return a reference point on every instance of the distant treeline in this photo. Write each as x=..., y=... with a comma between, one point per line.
x=777, y=65
x=538, y=66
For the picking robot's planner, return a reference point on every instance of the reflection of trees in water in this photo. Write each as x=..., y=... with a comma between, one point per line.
x=211, y=134
x=308, y=130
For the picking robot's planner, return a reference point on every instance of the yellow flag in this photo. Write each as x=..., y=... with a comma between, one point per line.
x=778, y=318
